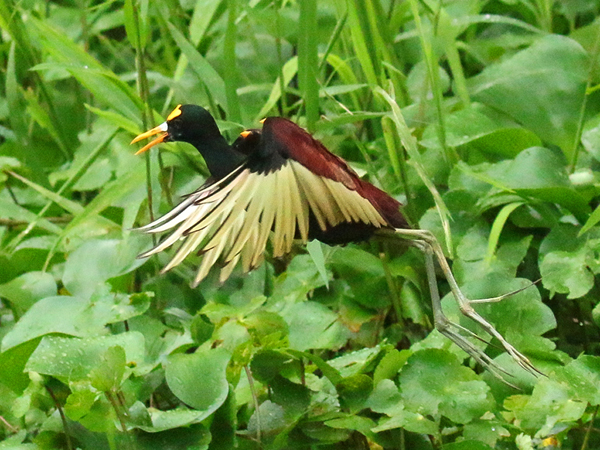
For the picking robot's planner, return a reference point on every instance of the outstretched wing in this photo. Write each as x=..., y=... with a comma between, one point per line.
x=273, y=194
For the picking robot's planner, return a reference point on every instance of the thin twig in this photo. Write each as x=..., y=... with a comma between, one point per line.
x=8, y=425
x=63, y=418
x=589, y=429
x=20, y=223
x=256, y=405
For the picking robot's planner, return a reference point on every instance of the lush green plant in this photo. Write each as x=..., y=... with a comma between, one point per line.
x=481, y=116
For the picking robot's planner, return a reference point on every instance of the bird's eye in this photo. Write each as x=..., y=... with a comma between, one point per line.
x=175, y=124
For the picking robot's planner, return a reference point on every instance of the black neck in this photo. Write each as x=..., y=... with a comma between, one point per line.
x=221, y=159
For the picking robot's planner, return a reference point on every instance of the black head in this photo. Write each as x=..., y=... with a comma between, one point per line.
x=187, y=123
x=248, y=142
x=191, y=123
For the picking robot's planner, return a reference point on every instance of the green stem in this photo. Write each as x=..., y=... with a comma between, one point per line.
x=230, y=76
x=392, y=286
x=434, y=79
x=588, y=431
x=592, y=70
x=63, y=418
x=308, y=61
x=282, y=98
x=256, y=405
x=143, y=90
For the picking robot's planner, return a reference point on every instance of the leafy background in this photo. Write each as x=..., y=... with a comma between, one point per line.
x=488, y=107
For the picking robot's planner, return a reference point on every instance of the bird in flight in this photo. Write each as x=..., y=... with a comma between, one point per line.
x=280, y=184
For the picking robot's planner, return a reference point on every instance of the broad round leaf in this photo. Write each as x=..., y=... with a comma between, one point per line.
x=435, y=383
x=541, y=87
x=199, y=379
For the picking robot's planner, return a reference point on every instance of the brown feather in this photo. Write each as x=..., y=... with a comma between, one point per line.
x=291, y=141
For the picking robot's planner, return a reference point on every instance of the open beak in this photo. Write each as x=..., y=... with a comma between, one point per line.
x=162, y=128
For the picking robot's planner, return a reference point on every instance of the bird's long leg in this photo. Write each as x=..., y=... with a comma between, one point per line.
x=449, y=328
x=427, y=242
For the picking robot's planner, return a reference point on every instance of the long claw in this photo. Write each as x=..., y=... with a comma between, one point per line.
x=427, y=242
x=503, y=296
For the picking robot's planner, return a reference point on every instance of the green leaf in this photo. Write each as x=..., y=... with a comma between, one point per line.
x=590, y=137
x=568, y=262
x=171, y=419
x=567, y=272
x=97, y=261
x=353, y=422
x=596, y=314
x=591, y=221
x=111, y=194
x=390, y=365
x=199, y=379
x=386, y=399
x=201, y=329
x=537, y=172
x=541, y=87
x=354, y=391
x=98, y=416
x=30, y=287
x=475, y=130
x=74, y=359
x=269, y=418
x=315, y=250
x=549, y=404
x=322, y=433
x=295, y=398
x=359, y=361
x=204, y=71
x=75, y=316
x=81, y=400
x=15, y=212
x=434, y=382
x=330, y=372
x=467, y=445
x=289, y=71
x=65, y=203
x=308, y=61
x=583, y=377
x=14, y=96
x=414, y=422
x=109, y=374
x=521, y=314
x=12, y=363
x=364, y=273
x=265, y=323
x=43, y=119
x=116, y=119
x=59, y=314
x=101, y=82
x=487, y=430
x=8, y=163
x=136, y=22
x=267, y=364
x=312, y=325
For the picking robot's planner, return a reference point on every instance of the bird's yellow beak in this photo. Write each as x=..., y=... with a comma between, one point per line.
x=162, y=128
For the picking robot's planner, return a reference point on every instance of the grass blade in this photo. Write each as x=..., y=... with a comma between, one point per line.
x=308, y=61
x=410, y=144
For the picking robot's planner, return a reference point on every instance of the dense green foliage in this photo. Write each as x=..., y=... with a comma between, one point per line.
x=482, y=116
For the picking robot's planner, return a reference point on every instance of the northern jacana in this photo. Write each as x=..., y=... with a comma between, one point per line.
x=280, y=182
